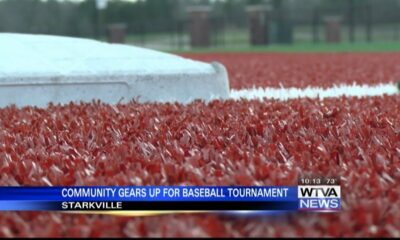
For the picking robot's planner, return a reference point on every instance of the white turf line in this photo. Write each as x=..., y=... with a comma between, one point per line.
x=314, y=92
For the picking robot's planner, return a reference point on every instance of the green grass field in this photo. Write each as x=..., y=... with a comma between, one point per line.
x=306, y=47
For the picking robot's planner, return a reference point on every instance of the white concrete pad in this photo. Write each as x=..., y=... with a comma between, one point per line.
x=38, y=69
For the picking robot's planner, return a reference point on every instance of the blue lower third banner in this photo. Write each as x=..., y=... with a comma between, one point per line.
x=166, y=198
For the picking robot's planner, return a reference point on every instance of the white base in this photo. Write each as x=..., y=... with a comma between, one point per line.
x=182, y=88
x=36, y=70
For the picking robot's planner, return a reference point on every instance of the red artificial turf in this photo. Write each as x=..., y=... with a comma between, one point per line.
x=247, y=70
x=221, y=143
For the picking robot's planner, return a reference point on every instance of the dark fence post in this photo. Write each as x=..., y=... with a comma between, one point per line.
x=351, y=20
x=315, y=25
x=397, y=28
x=171, y=34
x=199, y=26
x=116, y=33
x=96, y=21
x=181, y=36
x=214, y=31
x=223, y=31
x=368, y=23
x=218, y=31
x=332, y=29
x=257, y=15
x=143, y=29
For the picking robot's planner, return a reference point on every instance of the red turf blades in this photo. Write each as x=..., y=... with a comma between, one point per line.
x=241, y=143
x=301, y=70
x=220, y=143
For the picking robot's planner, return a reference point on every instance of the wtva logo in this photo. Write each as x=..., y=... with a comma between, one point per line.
x=319, y=198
